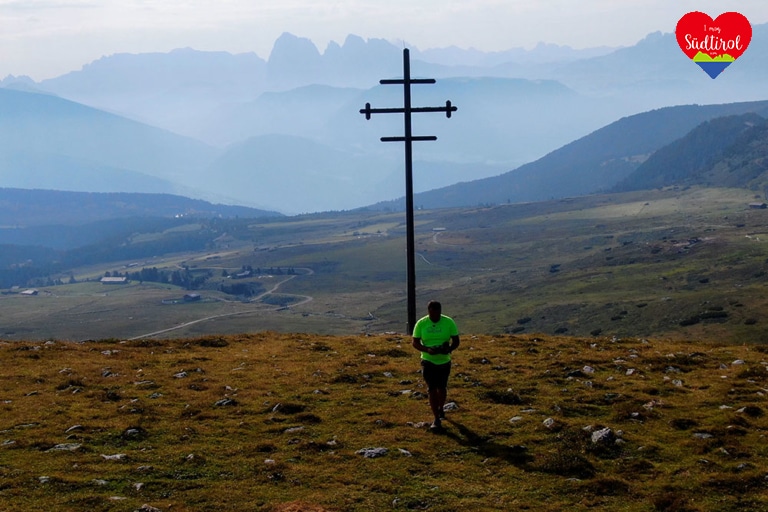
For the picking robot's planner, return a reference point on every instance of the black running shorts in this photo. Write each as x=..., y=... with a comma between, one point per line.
x=436, y=375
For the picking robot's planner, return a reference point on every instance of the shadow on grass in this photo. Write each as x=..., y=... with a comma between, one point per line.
x=516, y=455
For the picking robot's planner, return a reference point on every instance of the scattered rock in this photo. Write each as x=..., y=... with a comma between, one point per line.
x=117, y=456
x=147, y=508
x=603, y=436
x=752, y=411
x=65, y=447
x=225, y=402
x=372, y=453
x=134, y=433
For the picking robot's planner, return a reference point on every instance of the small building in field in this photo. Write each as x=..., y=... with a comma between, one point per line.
x=30, y=292
x=192, y=297
x=114, y=280
x=758, y=206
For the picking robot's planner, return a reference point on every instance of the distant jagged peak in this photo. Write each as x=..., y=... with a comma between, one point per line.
x=293, y=47
x=354, y=41
x=12, y=79
x=652, y=37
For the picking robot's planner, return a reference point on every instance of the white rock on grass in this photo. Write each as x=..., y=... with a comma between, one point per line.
x=117, y=456
x=147, y=508
x=65, y=447
x=603, y=436
x=372, y=453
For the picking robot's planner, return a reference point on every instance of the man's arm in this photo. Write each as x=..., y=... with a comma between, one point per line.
x=455, y=342
x=421, y=348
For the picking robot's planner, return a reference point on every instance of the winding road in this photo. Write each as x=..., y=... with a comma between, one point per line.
x=305, y=299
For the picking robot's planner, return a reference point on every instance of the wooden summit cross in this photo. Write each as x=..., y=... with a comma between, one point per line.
x=408, y=138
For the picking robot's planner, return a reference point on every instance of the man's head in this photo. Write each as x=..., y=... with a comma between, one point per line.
x=435, y=309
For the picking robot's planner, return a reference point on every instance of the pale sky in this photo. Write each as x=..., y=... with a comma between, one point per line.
x=47, y=38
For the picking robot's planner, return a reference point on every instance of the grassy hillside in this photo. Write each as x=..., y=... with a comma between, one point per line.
x=590, y=164
x=284, y=422
x=35, y=207
x=687, y=160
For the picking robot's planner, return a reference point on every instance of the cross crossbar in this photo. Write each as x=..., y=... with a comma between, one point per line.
x=408, y=139
x=397, y=81
x=448, y=109
x=413, y=137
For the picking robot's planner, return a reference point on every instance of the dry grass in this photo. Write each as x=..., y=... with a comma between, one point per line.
x=116, y=425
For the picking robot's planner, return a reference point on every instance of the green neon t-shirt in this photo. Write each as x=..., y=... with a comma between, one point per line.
x=435, y=334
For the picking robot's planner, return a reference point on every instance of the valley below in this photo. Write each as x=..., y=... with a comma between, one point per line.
x=687, y=263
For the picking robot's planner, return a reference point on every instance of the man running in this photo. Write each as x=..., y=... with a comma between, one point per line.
x=436, y=336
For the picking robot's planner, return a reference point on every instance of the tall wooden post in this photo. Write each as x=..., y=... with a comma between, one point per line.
x=408, y=138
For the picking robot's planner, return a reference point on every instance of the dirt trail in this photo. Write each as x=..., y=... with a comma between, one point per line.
x=305, y=299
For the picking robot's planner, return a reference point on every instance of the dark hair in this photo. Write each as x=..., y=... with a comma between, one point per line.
x=434, y=305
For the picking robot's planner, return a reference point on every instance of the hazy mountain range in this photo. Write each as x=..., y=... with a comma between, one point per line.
x=285, y=133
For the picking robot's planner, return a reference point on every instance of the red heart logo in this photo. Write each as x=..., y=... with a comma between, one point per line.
x=713, y=44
